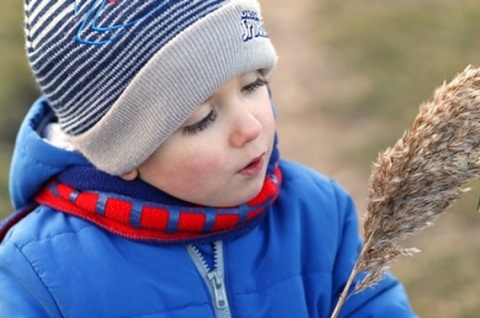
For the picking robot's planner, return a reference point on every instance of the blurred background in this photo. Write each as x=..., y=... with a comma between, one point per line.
x=349, y=81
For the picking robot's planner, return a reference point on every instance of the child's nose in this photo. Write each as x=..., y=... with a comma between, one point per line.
x=245, y=127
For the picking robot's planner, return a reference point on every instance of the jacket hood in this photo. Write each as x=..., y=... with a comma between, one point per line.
x=34, y=159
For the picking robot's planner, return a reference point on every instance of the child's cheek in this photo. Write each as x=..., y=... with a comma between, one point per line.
x=196, y=179
x=202, y=166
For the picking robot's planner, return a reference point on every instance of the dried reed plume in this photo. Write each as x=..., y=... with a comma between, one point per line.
x=420, y=177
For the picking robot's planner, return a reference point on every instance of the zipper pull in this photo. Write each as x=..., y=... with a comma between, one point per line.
x=219, y=292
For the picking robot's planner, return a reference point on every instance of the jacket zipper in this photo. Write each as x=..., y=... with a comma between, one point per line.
x=214, y=278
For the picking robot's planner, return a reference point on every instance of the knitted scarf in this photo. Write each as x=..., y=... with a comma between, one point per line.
x=137, y=210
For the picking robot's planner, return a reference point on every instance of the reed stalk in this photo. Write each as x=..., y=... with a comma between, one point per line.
x=417, y=179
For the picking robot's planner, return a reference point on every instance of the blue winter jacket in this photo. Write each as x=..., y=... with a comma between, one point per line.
x=294, y=263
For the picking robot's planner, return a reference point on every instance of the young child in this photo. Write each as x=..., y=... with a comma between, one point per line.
x=148, y=181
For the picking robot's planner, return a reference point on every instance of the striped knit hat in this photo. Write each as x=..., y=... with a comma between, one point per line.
x=122, y=75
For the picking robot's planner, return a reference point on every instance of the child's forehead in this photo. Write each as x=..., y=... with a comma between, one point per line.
x=241, y=79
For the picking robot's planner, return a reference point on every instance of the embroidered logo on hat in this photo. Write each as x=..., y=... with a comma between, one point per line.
x=252, y=26
x=96, y=29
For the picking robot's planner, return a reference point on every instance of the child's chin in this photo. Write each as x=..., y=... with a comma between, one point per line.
x=250, y=195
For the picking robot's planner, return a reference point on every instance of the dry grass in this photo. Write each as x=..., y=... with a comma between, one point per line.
x=416, y=180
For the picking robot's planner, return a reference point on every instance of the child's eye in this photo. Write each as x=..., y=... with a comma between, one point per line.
x=255, y=85
x=201, y=125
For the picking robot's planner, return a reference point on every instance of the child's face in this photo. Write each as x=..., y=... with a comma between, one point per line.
x=219, y=156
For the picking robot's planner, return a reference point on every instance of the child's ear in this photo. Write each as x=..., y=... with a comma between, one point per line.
x=131, y=175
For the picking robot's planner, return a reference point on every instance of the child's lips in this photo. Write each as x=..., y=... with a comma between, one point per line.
x=254, y=167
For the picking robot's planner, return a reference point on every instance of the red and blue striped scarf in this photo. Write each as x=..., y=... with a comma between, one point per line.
x=136, y=210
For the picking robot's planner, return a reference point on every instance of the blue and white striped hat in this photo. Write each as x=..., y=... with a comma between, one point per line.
x=122, y=75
